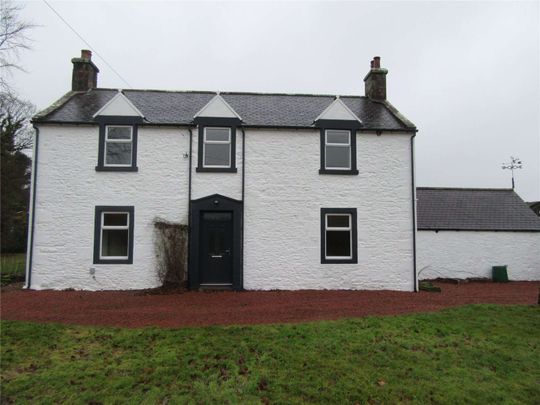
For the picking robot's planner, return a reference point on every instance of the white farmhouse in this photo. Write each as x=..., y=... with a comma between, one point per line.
x=280, y=191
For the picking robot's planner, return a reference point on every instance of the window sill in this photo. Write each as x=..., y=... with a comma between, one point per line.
x=345, y=172
x=216, y=169
x=116, y=169
x=107, y=261
x=337, y=261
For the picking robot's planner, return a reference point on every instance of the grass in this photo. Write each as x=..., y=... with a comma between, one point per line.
x=473, y=354
x=12, y=268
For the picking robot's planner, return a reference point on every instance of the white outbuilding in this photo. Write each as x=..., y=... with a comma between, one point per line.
x=464, y=232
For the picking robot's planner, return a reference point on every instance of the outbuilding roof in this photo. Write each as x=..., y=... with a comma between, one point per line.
x=256, y=109
x=473, y=209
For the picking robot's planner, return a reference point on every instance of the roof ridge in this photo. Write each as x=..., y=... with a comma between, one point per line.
x=258, y=93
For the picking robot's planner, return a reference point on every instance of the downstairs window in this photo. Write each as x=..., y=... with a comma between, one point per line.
x=113, y=235
x=338, y=235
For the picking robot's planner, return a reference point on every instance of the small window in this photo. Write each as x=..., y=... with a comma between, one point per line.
x=338, y=235
x=118, y=146
x=217, y=147
x=113, y=239
x=338, y=150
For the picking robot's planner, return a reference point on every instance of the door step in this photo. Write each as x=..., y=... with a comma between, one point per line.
x=215, y=286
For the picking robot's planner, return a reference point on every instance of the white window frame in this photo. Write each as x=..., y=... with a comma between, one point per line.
x=107, y=140
x=341, y=229
x=229, y=142
x=113, y=227
x=342, y=145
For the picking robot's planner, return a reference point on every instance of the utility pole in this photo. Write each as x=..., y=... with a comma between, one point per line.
x=515, y=163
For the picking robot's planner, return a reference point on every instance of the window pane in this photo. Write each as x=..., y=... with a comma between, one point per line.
x=216, y=154
x=217, y=216
x=119, y=132
x=118, y=153
x=338, y=156
x=114, y=242
x=337, y=137
x=341, y=221
x=217, y=134
x=115, y=219
x=338, y=243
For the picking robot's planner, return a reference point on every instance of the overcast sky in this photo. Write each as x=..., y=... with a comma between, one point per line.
x=467, y=74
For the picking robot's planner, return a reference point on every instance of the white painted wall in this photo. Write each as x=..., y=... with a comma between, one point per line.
x=464, y=254
x=284, y=194
x=283, y=197
x=69, y=188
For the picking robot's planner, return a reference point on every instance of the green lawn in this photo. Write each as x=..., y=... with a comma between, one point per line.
x=483, y=354
x=12, y=268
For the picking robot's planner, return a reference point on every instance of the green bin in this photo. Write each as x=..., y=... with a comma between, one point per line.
x=500, y=274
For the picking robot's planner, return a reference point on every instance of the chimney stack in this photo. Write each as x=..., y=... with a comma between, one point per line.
x=375, y=81
x=84, y=72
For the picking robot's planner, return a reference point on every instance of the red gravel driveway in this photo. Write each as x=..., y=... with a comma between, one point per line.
x=132, y=309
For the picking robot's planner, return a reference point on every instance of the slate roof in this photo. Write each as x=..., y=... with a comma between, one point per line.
x=469, y=209
x=256, y=109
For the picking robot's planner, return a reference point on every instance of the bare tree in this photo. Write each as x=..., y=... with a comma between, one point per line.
x=13, y=40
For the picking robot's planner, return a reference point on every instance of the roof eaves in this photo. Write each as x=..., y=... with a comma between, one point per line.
x=464, y=189
x=42, y=115
x=477, y=229
x=399, y=116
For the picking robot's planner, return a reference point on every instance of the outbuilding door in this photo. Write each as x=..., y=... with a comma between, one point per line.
x=216, y=248
x=215, y=243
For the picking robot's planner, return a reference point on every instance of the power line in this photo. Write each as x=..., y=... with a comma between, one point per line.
x=88, y=44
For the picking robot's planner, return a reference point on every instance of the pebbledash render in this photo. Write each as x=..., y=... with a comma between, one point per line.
x=279, y=191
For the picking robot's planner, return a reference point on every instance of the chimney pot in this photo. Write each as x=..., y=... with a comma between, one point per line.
x=372, y=63
x=377, y=62
x=86, y=54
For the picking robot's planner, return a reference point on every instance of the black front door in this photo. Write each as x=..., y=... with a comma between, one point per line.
x=216, y=247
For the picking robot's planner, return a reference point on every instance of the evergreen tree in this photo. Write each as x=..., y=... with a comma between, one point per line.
x=16, y=138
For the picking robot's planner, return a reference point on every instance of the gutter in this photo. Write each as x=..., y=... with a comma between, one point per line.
x=189, y=206
x=413, y=191
x=243, y=199
x=32, y=213
x=279, y=127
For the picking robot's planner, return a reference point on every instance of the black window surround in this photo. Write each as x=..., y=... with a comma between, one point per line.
x=354, y=235
x=347, y=125
x=97, y=233
x=105, y=121
x=208, y=122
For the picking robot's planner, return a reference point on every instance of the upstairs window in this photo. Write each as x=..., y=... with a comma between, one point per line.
x=338, y=235
x=217, y=147
x=217, y=144
x=337, y=144
x=338, y=147
x=113, y=238
x=118, y=146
